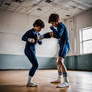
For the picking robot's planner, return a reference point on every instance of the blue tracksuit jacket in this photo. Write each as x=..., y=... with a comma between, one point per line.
x=30, y=49
x=61, y=33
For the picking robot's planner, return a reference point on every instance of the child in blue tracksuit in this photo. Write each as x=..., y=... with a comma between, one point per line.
x=60, y=32
x=31, y=38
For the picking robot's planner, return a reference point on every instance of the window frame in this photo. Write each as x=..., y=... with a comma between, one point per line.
x=82, y=41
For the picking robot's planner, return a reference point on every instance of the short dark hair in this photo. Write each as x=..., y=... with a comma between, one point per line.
x=39, y=23
x=53, y=18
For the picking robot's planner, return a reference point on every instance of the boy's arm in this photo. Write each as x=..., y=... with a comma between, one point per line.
x=56, y=32
x=38, y=39
x=61, y=30
x=26, y=37
x=46, y=35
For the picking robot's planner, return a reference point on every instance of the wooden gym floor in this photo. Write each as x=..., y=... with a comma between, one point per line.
x=15, y=81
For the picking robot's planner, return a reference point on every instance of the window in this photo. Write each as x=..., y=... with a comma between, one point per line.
x=86, y=40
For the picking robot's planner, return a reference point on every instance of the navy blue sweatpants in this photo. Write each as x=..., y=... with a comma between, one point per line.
x=33, y=60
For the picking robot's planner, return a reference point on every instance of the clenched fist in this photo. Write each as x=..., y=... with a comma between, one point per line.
x=31, y=40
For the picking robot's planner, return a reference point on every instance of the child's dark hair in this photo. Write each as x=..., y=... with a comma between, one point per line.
x=53, y=18
x=39, y=23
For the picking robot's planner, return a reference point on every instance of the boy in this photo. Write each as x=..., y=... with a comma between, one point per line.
x=59, y=32
x=31, y=38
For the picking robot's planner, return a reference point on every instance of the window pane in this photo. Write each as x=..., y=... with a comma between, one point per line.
x=80, y=36
x=87, y=34
x=81, y=49
x=87, y=46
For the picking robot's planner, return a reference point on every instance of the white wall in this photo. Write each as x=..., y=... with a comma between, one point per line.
x=74, y=24
x=13, y=26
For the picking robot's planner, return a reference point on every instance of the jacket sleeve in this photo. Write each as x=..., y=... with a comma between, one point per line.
x=62, y=30
x=40, y=41
x=26, y=36
x=46, y=35
x=55, y=31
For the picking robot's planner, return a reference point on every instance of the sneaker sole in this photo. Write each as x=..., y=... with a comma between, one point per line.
x=62, y=87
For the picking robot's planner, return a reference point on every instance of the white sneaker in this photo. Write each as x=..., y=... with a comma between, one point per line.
x=57, y=80
x=32, y=84
x=62, y=85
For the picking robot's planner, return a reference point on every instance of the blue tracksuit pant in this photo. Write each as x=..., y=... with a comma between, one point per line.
x=33, y=60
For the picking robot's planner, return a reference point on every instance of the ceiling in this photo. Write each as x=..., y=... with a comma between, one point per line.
x=43, y=8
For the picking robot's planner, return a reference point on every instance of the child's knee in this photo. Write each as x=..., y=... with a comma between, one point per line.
x=60, y=62
x=36, y=65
